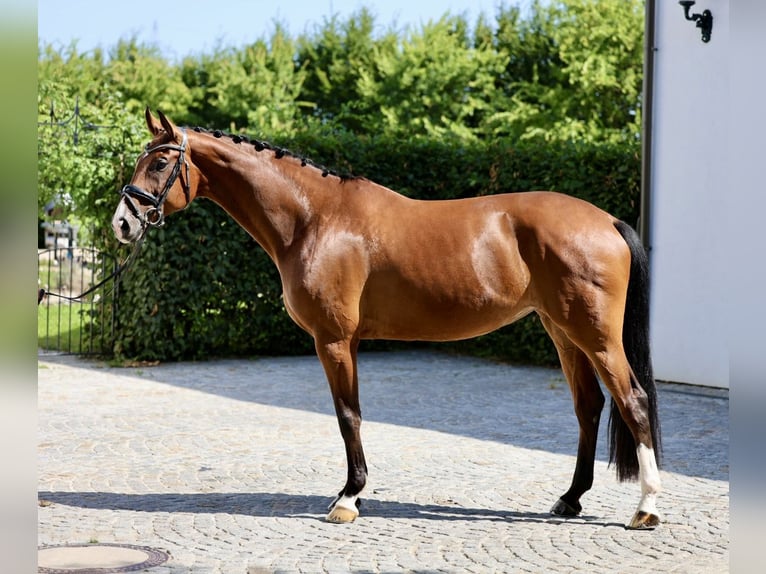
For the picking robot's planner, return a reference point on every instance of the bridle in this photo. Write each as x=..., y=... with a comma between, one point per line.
x=154, y=216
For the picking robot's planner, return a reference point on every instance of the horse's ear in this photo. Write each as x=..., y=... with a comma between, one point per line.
x=168, y=126
x=154, y=126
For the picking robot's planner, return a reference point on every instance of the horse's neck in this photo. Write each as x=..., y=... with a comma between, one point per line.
x=253, y=189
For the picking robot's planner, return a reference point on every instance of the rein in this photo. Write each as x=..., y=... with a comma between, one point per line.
x=121, y=268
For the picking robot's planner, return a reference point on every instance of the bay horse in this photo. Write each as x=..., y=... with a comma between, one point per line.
x=360, y=261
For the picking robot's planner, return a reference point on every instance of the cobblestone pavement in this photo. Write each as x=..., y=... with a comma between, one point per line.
x=229, y=466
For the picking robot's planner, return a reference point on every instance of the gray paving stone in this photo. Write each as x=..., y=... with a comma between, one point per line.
x=230, y=465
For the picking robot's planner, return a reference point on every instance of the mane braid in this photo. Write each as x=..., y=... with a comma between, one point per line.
x=279, y=152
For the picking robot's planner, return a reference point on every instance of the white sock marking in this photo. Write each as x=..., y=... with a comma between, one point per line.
x=649, y=476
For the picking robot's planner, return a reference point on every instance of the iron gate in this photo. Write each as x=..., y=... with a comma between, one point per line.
x=84, y=326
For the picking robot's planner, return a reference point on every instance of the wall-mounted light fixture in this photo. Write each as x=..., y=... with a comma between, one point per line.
x=704, y=20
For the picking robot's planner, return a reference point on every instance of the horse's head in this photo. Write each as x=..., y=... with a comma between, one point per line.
x=161, y=182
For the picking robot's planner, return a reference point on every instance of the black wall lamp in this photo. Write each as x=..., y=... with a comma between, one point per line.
x=704, y=20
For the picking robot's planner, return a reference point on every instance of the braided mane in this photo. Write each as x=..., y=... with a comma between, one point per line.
x=279, y=152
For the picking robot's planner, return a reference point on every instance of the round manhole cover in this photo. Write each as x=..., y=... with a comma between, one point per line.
x=97, y=558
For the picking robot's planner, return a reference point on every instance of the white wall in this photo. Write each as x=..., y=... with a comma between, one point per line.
x=689, y=191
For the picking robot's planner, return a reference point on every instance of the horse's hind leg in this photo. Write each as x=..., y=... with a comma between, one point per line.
x=634, y=453
x=588, y=404
x=338, y=358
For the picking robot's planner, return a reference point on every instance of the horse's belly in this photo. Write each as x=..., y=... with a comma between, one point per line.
x=403, y=318
x=451, y=294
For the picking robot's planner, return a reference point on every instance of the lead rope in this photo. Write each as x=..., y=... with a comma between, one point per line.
x=121, y=268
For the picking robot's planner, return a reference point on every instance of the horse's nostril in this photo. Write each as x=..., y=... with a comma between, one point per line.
x=124, y=225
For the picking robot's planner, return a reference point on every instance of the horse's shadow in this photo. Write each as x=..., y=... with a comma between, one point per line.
x=280, y=505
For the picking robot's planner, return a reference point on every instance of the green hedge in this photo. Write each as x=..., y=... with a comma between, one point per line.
x=203, y=288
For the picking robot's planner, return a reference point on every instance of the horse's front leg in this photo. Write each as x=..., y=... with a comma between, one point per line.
x=338, y=358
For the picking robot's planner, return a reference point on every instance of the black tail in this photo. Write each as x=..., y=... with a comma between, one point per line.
x=635, y=337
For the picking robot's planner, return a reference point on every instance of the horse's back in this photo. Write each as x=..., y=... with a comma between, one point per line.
x=512, y=228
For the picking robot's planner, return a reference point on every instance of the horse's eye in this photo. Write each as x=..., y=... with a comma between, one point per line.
x=160, y=164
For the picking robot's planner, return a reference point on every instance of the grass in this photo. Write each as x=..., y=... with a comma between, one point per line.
x=60, y=327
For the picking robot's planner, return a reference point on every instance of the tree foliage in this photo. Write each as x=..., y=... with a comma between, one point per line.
x=86, y=137
x=433, y=83
x=257, y=87
x=334, y=58
x=574, y=72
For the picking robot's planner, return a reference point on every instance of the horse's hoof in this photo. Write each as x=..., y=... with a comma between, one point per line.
x=644, y=521
x=562, y=508
x=342, y=515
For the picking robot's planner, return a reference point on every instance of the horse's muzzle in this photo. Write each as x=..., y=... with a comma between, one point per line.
x=126, y=226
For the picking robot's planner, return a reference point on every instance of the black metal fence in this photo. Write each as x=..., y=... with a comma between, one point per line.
x=84, y=326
